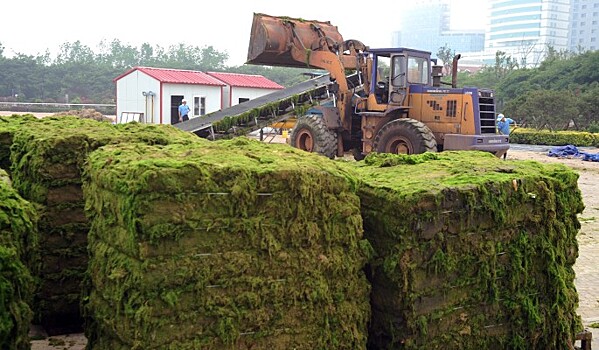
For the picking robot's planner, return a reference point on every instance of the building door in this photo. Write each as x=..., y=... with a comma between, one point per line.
x=175, y=103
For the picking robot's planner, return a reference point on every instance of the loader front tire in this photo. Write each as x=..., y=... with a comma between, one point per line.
x=312, y=135
x=405, y=136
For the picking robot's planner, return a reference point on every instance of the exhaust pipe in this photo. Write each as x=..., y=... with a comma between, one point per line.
x=454, y=71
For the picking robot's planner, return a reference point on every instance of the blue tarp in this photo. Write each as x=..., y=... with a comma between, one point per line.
x=571, y=151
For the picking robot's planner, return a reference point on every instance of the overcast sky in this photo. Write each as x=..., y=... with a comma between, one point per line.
x=33, y=26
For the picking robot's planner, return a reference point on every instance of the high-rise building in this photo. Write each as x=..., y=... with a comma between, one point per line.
x=584, y=25
x=426, y=26
x=524, y=29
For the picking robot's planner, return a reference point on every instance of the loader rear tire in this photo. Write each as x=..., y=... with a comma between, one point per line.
x=405, y=136
x=312, y=135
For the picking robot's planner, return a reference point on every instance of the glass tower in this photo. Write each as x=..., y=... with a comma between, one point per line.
x=426, y=26
x=524, y=29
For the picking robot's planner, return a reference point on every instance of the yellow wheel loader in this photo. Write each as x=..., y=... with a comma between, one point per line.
x=398, y=103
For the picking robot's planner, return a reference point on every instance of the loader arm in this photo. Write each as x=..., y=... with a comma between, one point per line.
x=292, y=42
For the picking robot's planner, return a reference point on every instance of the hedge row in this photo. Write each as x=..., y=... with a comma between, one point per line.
x=554, y=138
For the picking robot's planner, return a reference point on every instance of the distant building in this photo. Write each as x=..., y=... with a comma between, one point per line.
x=243, y=87
x=426, y=26
x=153, y=95
x=584, y=25
x=523, y=29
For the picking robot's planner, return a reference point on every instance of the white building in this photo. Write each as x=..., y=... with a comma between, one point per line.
x=584, y=25
x=524, y=29
x=425, y=25
x=153, y=95
x=243, y=87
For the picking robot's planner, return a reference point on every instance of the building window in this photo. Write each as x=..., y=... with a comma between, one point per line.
x=418, y=70
x=199, y=105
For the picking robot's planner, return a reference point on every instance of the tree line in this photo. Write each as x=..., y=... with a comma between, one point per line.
x=562, y=92
x=79, y=74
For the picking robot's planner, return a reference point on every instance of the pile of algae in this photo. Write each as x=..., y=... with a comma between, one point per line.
x=46, y=161
x=17, y=230
x=8, y=126
x=231, y=244
x=471, y=252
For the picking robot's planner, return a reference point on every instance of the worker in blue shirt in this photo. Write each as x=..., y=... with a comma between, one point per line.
x=503, y=124
x=183, y=111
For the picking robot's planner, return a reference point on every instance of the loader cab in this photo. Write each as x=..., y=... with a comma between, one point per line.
x=406, y=67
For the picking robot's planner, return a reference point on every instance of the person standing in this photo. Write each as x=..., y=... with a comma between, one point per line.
x=183, y=111
x=503, y=126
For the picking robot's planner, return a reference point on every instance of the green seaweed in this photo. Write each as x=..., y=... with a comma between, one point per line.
x=470, y=251
x=17, y=239
x=46, y=165
x=237, y=242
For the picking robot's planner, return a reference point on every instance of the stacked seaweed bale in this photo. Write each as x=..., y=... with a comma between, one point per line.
x=235, y=244
x=17, y=233
x=46, y=162
x=8, y=126
x=471, y=252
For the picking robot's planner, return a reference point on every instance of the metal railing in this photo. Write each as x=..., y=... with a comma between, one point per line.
x=50, y=107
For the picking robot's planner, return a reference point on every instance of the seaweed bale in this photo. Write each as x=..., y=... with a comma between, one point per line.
x=8, y=126
x=47, y=160
x=235, y=244
x=17, y=228
x=471, y=252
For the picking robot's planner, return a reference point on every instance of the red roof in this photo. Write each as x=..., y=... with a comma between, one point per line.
x=246, y=80
x=176, y=76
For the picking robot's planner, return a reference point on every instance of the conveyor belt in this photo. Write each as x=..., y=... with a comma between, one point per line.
x=314, y=88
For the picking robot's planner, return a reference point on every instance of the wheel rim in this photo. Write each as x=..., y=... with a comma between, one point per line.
x=399, y=145
x=305, y=141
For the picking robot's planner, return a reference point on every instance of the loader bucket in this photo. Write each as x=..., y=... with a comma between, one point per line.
x=273, y=39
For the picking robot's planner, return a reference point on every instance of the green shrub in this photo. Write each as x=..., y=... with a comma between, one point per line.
x=593, y=127
x=554, y=138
